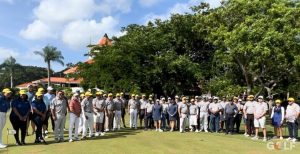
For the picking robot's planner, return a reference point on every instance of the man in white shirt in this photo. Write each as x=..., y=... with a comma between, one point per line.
x=292, y=114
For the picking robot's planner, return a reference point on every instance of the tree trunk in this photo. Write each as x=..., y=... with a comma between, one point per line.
x=246, y=75
x=11, y=80
x=48, y=69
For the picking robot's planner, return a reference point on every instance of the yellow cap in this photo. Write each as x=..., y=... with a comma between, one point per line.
x=110, y=95
x=136, y=95
x=22, y=92
x=150, y=96
x=121, y=93
x=132, y=95
x=251, y=96
x=40, y=89
x=278, y=101
x=81, y=95
x=235, y=98
x=143, y=95
x=38, y=93
x=291, y=99
x=117, y=95
x=99, y=93
x=150, y=99
x=6, y=90
x=88, y=93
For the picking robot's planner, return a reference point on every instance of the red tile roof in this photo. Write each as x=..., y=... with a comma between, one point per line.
x=104, y=41
x=54, y=80
x=74, y=69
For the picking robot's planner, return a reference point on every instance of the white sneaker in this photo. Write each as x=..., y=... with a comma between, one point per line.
x=96, y=134
x=254, y=138
x=294, y=140
x=46, y=132
x=102, y=134
x=197, y=131
x=265, y=139
x=206, y=131
x=281, y=138
x=70, y=140
x=247, y=135
x=107, y=130
x=288, y=139
x=2, y=146
x=160, y=130
x=156, y=130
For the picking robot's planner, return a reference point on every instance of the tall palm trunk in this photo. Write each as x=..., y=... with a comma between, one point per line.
x=11, y=80
x=48, y=69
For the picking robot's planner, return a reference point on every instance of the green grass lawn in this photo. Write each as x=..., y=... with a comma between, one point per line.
x=129, y=141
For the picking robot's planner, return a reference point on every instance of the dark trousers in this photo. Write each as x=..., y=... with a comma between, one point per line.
x=164, y=121
x=148, y=121
x=293, y=129
x=214, y=122
x=237, y=122
x=177, y=122
x=250, y=124
x=39, y=126
x=229, y=122
x=52, y=122
x=45, y=122
x=18, y=125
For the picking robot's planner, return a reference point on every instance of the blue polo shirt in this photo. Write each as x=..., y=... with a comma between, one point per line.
x=4, y=104
x=30, y=96
x=22, y=106
x=40, y=106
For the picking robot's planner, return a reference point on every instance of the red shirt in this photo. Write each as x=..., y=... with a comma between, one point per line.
x=75, y=106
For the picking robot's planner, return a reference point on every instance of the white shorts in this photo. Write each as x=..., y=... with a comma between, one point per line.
x=193, y=119
x=99, y=118
x=260, y=122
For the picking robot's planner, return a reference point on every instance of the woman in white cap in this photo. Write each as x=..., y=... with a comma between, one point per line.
x=5, y=105
x=157, y=115
x=277, y=116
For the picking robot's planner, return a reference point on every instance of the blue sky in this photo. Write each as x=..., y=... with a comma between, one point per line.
x=70, y=25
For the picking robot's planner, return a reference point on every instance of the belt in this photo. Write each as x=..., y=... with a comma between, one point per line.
x=88, y=111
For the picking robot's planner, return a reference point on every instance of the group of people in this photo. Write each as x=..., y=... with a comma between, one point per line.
x=93, y=116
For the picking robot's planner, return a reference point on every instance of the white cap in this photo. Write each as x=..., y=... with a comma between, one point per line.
x=75, y=94
x=163, y=98
x=240, y=100
x=169, y=98
x=157, y=100
x=216, y=98
x=50, y=88
x=176, y=96
x=260, y=97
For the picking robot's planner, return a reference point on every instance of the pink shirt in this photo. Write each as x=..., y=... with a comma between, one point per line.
x=292, y=112
x=260, y=109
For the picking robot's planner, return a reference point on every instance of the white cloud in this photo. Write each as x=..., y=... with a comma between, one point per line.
x=148, y=3
x=72, y=20
x=7, y=1
x=37, y=30
x=5, y=53
x=179, y=8
x=78, y=33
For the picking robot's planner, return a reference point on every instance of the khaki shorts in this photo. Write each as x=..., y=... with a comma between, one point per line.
x=260, y=122
x=99, y=118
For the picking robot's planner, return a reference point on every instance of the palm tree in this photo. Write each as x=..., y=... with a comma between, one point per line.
x=50, y=53
x=10, y=64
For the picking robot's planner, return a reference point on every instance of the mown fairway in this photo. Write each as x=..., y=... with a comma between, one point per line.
x=129, y=141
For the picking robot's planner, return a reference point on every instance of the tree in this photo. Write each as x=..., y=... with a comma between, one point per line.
x=50, y=53
x=10, y=65
x=260, y=37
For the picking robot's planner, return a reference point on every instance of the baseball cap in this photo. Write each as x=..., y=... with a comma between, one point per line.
x=49, y=88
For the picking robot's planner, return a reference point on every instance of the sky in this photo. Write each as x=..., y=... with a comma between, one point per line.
x=70, y=25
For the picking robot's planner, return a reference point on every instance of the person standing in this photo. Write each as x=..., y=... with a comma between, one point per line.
x=19, y=115
x=203, y=118
x=230, y=112
x=118, y=108
x=30, y=95
x=164, y=114
x=5, y=101
x=132, y=108
x=75, y=112
x=260, y=110
x=193, y=116
x=39, y=115
x=277, y=116
x=148, y=112
x=223, y=103
x=249, y=115
x=238, y=117
x=215, y=109
x=183, y=113
x=173, y=112
x=292, y=113
x=109, y=112
x=87, y=113
x=124, y=102
x=48, y=97
x=157, y=115
x=99, y=110
x=58, y=108
x=143, y=103
x=177, y=101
